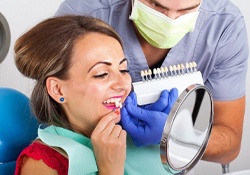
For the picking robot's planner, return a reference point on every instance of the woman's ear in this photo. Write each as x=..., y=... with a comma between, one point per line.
x=53, y=86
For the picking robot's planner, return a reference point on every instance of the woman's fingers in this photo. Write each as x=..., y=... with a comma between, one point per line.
x=105, y=121
x=107, y=127
x=109, y=143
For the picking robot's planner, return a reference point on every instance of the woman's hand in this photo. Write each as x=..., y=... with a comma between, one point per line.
x=109, y=143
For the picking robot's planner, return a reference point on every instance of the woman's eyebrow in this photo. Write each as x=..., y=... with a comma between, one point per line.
x=101, y=62
x=184, y=9
x=106, y=63
x=124, y=59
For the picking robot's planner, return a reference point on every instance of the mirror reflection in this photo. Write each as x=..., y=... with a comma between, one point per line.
x=187, y=129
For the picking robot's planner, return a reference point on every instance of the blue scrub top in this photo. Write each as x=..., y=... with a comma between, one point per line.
x=218, y=44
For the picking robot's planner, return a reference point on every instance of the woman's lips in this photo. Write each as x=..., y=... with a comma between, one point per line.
x=110, y=106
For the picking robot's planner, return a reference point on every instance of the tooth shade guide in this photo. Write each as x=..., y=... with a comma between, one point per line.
x=187, y=67
x=182, y=68
x=179, y=69
x=163, y=72
x=166, y=71
x=191, y=66
x=146, y=75
x=158, y=72
x=194, y=66
x=142, y=75
x=171, y=69
x=178, y=76
x=150, y=74
x=155, y=73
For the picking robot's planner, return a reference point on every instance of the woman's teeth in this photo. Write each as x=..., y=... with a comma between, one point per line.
x=115, y=101
x=118, y=104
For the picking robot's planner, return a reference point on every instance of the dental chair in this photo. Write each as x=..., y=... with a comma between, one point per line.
x=18, y=127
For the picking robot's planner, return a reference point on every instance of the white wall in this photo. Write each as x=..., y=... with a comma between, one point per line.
x=23, y=14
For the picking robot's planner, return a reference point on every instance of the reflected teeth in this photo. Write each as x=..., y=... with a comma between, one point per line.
x=115, y=101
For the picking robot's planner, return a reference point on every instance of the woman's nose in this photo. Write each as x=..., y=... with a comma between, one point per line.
x=122, y=82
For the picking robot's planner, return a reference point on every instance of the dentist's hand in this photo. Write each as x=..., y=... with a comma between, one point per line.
x=145, y=125
x=165, y=101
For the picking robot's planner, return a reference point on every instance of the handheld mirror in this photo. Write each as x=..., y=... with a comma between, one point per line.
x=4, y=38
x=187, y=129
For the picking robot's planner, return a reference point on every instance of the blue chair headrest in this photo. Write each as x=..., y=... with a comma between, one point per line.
x=18, y=126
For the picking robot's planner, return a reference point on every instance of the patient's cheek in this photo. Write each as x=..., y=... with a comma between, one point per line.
x=96, y=90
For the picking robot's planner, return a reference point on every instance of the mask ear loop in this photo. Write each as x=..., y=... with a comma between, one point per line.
x=132, y=1
x=199, y=6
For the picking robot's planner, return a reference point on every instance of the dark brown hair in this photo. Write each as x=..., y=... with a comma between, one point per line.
x=45, y=50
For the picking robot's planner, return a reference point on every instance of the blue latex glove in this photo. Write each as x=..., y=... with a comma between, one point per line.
x=165, y=101
x=145, y=125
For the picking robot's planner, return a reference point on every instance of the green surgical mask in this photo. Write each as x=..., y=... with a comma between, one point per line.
x=158, y=29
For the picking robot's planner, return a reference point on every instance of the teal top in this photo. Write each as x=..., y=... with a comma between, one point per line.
x=139, y=160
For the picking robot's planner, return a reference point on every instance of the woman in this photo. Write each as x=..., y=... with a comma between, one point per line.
x=81, y=81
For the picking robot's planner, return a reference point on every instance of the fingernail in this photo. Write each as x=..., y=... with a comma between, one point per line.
x=117, y=112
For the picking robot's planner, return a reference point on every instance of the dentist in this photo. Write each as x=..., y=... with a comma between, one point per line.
x=160, y=33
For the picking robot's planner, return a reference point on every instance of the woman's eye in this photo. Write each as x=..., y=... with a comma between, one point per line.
x=101, y=75
x=124, y=71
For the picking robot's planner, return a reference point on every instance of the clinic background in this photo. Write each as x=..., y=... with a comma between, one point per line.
x=23, y=14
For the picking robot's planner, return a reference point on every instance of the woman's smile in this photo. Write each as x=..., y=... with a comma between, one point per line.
x=113, y=102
